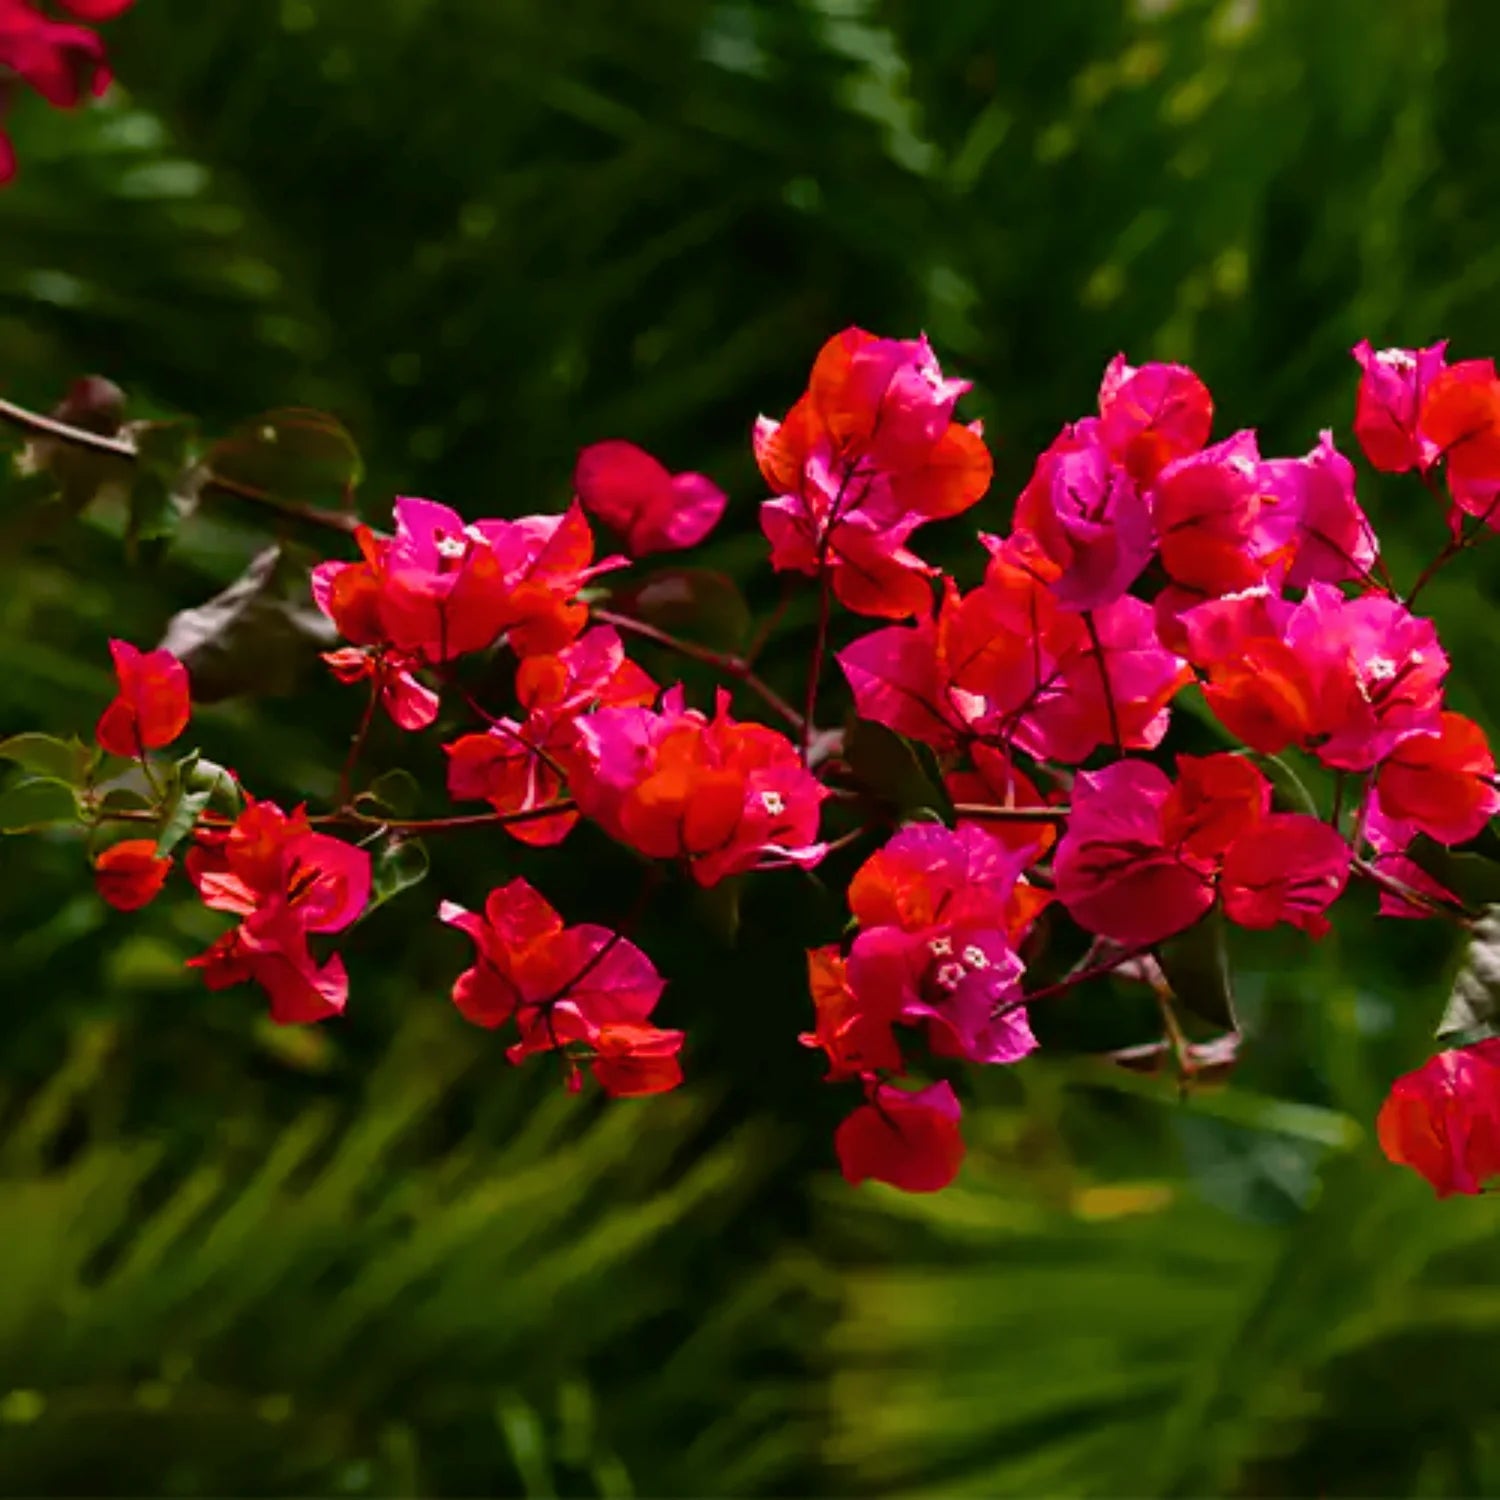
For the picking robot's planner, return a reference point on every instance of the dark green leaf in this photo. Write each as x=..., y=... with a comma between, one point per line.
x=256, y=637
x=692, y=602
x=186, y=796
x=1473, y=1010
x=223, y=790
x=1196, y=965
x=393, y=794
x=38, y=803
x=1289, y=792
x=67, y=761
x=293, y=454
x=718, y=908
x=399, y=864
x=163, y=490
x=1473, y=878
x=894, y=771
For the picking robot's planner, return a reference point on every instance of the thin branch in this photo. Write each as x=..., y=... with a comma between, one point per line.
x=815, y=665
x=122, y=448
x=732, y=666
x=351, y=817
x=1070, y=981
x=984, y=813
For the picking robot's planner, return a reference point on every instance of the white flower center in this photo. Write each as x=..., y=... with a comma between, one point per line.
x=940, y=947
x=773, y=804
x=951, y=975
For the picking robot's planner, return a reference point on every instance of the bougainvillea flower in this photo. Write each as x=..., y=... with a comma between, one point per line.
x=129, y=875
x=994, y=781
x=1206, y=508
x=1460, y=418
x=152, y=707
x=1112, y=688
x=65, y=64
x=272, y=860
x=1345, y=679
x=631, y=1061
x=1214, y=800
x=1392, y=385
x=561, y=985
x=1005, y=663
x=1319, y=522
x=721, y=795
x=1115, y=870
x=411, y=704
x=910, y=1140
x=1150, y=416
x=518, y=766
x=939, y=911
x=648, y=507
x=1441, y=784
x=1089, y=517
x=1443, y=1120
x=1289, y=867
x=442, y=586
x=269, y=948
x=852, y=1031
x=869, y=453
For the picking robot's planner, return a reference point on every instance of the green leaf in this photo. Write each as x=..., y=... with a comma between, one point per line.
x=294, y=454
x=164, y=489
x=1473, y=1010
x=692, y=602
x=256, y=637
x=718, y=908
x=394, y=794
x=1289, y=792
x=223, y=790
x=1473, y=878
x=39, y=803
x=1196, y=964
x=68, y=761
x=186, y=796
x=894, y=771
x=400, y=864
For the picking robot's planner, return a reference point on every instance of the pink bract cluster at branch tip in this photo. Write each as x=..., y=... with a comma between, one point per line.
x=1039, y=832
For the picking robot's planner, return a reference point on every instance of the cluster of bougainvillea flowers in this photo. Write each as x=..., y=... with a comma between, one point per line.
x=1143, y=559
x=59, y=59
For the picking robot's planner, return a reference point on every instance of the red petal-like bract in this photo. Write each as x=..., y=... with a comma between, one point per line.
x=285, y=881
x=651, y=509
x=1115, y=870
x=1443, y=1120
x=1290, y=867
x=910, y=1140
x=1442, y=783
x=129, y=875
x=584, y=988
x=153, y=705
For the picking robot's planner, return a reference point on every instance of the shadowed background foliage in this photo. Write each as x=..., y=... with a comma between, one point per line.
x=371, y=1259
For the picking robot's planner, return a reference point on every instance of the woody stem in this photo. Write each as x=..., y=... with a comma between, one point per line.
x=815, y=665
x=122, y=448
x=732, y=666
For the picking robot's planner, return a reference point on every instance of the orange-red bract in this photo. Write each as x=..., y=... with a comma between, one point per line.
x=152, y=707
x=910, y=1140
x=129, y=875
x=1443, y=1120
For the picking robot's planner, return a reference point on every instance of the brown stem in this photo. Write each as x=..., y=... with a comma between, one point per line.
x=1109, y=690
x=357, y=744
x=815, y=665
x=351, y=817
x=730, y=665
x=1071, y=981
x=122, y=448
x=984, y=813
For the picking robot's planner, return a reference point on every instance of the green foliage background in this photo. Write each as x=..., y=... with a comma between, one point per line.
x=372, y=1259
